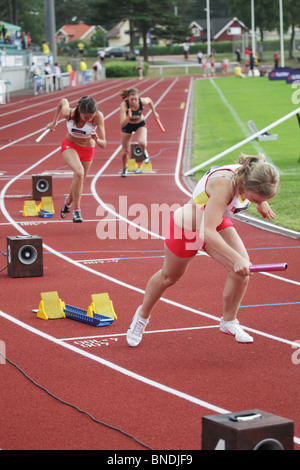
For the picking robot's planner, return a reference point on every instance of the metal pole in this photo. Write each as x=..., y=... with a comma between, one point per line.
x=281, y=34
x=50, y=28
x=208, y=27
x=253, y=28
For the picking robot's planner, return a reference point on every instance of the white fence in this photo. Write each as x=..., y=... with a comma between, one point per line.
x=48, y=83
x=196, y=68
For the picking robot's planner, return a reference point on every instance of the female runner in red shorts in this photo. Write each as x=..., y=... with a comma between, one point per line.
x=85, y=129
x=205, y=223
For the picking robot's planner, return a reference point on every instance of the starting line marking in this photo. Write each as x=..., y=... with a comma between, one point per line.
x=169, y=330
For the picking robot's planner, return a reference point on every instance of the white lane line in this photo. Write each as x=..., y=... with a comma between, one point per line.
x=95, y=358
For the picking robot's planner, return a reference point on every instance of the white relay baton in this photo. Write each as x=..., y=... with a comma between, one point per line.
x=42, y=135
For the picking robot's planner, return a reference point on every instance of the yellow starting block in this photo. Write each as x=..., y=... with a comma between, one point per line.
x=101, y=305
x=30, y=209
x=146, y=167
x=131, y=164
x=46, y=204
x=51, y=306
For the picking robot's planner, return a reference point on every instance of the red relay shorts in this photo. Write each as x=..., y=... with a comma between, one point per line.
x=186, y=243
x=86, y=154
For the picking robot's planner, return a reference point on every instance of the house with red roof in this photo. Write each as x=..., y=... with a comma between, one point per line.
x=221, y=29
x=72, y=32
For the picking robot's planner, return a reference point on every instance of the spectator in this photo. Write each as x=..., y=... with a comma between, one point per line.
x=82, y=64
x=186, y=49
x=212, y=64
x=46, y=49
x=47, y=69
x=251, y=64
x=28, y=40
x=140, y=67
x=57, y=76
x=204, y=65
x=80, y=46
x=69, y=68
x=200, y=55
x=276, y=60
x=101, y=54
x=96, y=67
x=225, y=65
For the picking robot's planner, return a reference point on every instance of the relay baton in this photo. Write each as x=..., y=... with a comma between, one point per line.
x=42, y=135
x=255, y=268
x=160, y=125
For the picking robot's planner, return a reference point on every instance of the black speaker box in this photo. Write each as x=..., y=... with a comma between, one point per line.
x=247, y=430
x=25, y=256
x=41, y=186
x=136, y=152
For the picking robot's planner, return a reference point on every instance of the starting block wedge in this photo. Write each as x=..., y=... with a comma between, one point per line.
x=131, y=164
x=30, y=209
x=101, y=305
x=47, y=204
x=146, y=167
x=51, y=306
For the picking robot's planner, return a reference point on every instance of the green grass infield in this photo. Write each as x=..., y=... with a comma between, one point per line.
x=222, y=108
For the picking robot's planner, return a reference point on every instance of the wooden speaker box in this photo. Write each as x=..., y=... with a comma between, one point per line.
x=247, y=430
x=41, y=186
x=136, y=152
x=24, y=256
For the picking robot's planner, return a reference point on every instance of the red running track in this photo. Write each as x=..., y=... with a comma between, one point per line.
x=184, y=368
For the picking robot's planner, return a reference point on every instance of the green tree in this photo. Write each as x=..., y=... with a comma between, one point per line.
x=291, y=9
x=266, y=15
x=72, y=11
x=28, y=15
x=156, y=16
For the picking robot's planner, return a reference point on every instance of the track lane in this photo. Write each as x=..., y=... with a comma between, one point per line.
x=132, y=299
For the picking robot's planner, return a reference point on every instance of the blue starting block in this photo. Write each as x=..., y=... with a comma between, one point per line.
x=79, y=314
x=45, y=214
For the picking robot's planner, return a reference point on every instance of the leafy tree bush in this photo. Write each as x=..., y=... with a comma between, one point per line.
x=117, y=69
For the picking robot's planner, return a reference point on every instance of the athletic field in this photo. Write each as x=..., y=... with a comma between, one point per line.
x=224, y=105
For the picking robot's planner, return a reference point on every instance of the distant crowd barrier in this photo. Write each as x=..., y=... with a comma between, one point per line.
x=167, y=68
x=3, y=92
x=48, y=83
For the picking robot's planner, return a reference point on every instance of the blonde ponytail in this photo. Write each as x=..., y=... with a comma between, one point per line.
x=258, y=175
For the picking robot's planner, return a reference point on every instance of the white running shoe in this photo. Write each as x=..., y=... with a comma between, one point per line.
x=77, y=216
x=146, y=156
x=136, y=329
x=233, y=328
